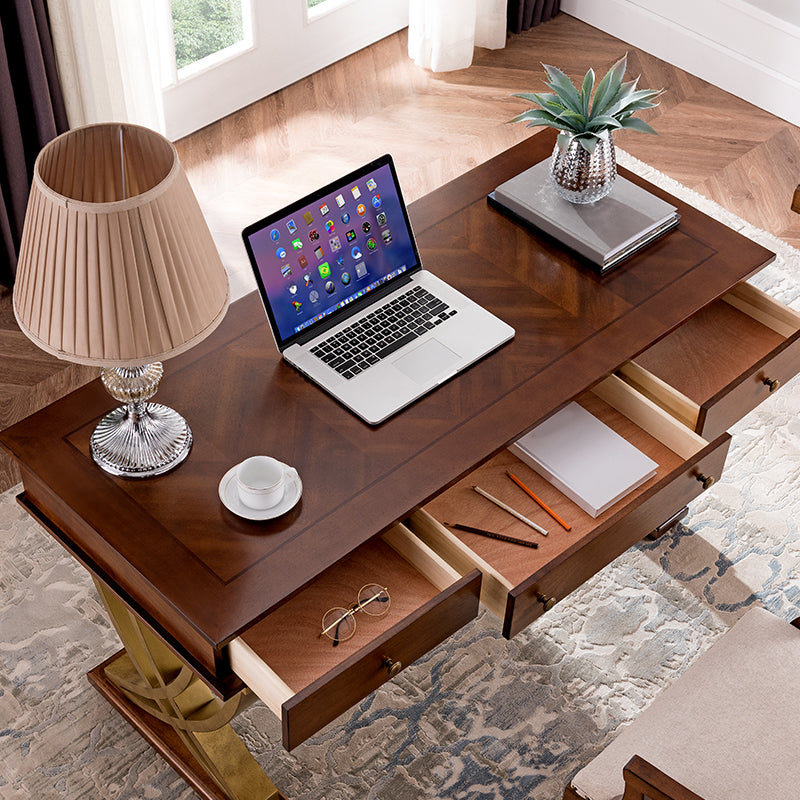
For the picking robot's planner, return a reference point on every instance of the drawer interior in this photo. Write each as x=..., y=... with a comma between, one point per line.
x=710, y=352
x=506, y=565
x=284, y=653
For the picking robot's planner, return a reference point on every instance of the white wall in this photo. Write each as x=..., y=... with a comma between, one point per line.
x=743, y=47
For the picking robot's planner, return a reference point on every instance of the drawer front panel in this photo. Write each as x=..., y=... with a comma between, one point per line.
x=320, y=703
x=529, y=600
x=727, y=408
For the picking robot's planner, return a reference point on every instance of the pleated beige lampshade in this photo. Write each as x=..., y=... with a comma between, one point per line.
x=117, y=266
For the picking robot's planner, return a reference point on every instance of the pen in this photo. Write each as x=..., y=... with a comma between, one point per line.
x=501, y=536
x=541, y=502
x=510, y=510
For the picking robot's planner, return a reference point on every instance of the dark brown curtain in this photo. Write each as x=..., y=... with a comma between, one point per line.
x=524, y=14
x=31, y=114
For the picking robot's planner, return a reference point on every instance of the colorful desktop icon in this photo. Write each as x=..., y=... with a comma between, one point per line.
x=329, y=226
x=308, y=217
x=303, y=262
x=339, y=200
x=335, y=244
x=319, y=254
x=324, y=270
x=371, y=185
x=313, y=296
x=292, y=288
x=371, y=243
x=361, y=209
x=350, y=235
x=381, y=218
x=323, y=209
x=291, y=226
x=280, y=252
x=356, y=192
x=286, y=270
x=307, y=280
x=345, y=278
x=330, y=287
x=297, y=305
x=297, y=244
x=361, y=269
x=345, y=218
x=274, y=234
x=356, y=252
x=387, y=236
x=366, y=227
x=376, y=201
x=313, y=235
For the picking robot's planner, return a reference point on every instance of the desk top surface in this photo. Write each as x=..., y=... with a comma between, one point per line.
x=171, y=545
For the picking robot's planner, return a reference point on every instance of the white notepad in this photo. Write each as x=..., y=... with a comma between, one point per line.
x=585, y=459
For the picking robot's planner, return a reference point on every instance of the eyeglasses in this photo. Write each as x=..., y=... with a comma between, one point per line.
x=339, y=624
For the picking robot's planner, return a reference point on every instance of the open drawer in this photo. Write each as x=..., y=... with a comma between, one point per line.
x=520, y=583
x=721, y=363
x=308, y=681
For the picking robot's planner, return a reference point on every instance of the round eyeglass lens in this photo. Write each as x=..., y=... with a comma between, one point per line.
x=374, y=600
x=338, y=624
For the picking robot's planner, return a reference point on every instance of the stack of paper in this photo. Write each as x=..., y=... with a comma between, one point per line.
x=584, y=458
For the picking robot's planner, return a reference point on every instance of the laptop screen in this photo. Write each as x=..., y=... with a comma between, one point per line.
x=317, y=257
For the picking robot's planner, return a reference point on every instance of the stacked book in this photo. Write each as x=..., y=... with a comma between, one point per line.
x=605, y=232
x=585, y=459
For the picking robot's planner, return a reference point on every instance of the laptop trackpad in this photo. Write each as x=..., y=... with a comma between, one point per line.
x=427, y=361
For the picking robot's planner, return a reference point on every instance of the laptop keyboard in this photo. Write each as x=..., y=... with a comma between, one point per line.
x=382, y=332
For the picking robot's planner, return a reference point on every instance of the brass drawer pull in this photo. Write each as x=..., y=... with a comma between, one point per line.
x=706, y=480
x=773, y=384
x=546, y=601
x=392, y=667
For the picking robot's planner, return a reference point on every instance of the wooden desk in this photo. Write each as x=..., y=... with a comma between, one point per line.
x=167, y=550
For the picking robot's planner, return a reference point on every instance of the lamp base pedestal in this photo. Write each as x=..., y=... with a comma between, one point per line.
x=141, y=440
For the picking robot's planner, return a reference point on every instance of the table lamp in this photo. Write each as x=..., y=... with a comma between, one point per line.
x=117, y=268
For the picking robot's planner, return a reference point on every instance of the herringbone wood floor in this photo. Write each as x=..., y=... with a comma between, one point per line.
x=438, y=126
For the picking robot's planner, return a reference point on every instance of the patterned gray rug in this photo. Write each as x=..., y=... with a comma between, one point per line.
x=479, y=717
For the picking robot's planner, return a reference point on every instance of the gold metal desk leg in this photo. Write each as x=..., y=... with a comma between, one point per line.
x=178, y=713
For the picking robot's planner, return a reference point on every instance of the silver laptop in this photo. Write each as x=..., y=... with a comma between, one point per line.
x=350, y=304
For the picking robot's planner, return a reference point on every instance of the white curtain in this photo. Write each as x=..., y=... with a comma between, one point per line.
x=108, y=58
x=442, y=34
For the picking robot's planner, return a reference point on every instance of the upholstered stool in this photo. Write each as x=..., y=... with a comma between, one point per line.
x=727, y=729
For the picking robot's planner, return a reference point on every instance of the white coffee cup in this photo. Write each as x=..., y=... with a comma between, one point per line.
x=261, y=482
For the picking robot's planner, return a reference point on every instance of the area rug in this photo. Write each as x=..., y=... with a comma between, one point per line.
x=479, y=718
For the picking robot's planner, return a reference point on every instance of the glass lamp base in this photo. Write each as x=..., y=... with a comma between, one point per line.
x=141, y=440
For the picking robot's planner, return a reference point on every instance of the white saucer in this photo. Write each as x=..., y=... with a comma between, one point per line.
x=230, y=496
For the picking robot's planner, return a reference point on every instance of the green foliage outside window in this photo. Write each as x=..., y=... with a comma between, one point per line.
x=203, y=27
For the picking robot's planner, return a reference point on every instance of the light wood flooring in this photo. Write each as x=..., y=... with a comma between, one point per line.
x=438, y=126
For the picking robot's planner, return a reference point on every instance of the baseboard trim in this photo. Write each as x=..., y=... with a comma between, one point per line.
x=747, y=56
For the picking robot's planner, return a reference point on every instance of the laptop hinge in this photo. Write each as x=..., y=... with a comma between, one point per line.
x=335, y=319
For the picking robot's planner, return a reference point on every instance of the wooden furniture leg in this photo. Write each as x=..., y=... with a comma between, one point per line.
x=177, y=713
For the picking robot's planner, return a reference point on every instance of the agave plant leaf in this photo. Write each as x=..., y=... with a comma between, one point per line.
x=564, y=88
x=636, y=124
x=586, y=91
x=603, y=123
x=549, y=102
x=588, y=142
x=634, y=100
x=609, y=86
x=537, y=116
x=563, y=140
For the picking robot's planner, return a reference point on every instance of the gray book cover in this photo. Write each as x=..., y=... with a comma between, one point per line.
x=605, y=231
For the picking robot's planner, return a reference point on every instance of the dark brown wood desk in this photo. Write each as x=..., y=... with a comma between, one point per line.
x=199, y=577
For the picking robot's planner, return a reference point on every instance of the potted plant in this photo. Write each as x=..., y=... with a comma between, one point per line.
x=584, y=166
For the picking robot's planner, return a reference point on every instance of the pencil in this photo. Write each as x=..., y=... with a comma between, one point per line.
x=491, y=534
x=510, y=510
x=541, y=502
